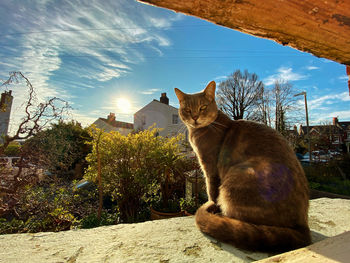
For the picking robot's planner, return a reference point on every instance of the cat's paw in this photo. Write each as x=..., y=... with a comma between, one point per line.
x=211, y=207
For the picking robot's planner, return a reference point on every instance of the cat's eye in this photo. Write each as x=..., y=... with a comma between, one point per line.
x=187, y=110
x=203, y=107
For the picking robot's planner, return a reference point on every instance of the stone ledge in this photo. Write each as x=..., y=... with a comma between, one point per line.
x=171, y=240
x=334, y=249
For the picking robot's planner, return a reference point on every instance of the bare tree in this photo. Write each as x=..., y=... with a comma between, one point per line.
x=284, y=103
x=36, y=117
x=264, y=108
x=240, y=94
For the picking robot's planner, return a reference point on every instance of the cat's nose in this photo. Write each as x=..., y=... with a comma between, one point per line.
x=195, y=117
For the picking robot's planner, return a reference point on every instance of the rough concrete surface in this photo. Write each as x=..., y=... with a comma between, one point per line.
x=169, y=240
x=335, y=249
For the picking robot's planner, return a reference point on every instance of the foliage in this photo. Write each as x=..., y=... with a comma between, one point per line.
x=12, y=149
x=92, y=220
x=172, y=206
x=189, y=205
x=333, y=176
x=134, y=168
x=49, y=207
x=36, y=115
x=60, y=149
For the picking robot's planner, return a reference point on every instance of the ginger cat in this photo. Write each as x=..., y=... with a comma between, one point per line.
x=257, y=190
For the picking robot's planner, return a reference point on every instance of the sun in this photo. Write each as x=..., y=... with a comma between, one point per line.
x=124, y=105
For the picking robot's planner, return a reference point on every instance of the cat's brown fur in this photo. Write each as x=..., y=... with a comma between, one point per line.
x=257, y=190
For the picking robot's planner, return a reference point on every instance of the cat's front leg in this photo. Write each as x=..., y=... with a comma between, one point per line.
x=213, y=183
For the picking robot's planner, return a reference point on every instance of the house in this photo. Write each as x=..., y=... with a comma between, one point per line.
x=111, y=124
x=162, y=115
x=335, y=135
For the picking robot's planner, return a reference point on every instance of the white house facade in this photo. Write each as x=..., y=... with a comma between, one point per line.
x=162, y=115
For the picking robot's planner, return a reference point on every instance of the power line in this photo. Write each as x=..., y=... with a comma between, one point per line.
x=97, y=29
x=150, y=57
x=143, y=48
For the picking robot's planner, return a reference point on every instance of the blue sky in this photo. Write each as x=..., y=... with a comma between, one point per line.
x=93, y=53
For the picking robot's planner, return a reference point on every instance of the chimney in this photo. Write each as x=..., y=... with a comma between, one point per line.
x=164, y=99
x=6, y=98
x=111, y=117
x=335, y=121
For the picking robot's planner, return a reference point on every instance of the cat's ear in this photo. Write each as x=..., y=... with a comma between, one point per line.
x=209, y=91
x=179, y=94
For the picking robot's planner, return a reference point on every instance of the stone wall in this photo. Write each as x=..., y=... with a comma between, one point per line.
x=170, y=240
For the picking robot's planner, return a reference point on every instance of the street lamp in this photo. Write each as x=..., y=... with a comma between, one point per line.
x=307, y=123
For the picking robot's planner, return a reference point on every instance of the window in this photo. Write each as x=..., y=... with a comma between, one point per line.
x=175, y=119
x=143, y=119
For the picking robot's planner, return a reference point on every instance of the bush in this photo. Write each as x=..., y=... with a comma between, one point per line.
x=189, y=205
x=333, y=177
x=133, y=167
x=12, y=150
x=49, y=207
x=11, y=227
x=61, y=149
x=92, y=220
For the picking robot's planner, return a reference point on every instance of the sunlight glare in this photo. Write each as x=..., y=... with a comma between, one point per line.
x=124, y=105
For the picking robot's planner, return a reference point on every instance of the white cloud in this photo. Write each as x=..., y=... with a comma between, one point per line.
x=343, y=115
x=149, y=91
x=328, y=99
x=220, y=78
x=283, y=74
x=312, y=68
x=344, y=78
x=94, y=40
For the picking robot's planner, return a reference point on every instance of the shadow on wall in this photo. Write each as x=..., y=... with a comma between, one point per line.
x=314, y=194
x=249, y=256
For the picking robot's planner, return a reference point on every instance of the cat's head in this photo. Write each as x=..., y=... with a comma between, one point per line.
x=198, y=110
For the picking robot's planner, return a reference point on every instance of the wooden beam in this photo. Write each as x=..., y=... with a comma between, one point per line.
x=320, y=27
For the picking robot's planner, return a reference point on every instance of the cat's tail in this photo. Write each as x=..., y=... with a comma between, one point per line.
x=250, y=236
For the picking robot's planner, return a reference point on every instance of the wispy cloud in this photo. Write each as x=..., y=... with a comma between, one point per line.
x=220, y=78
x=344, y=78
x=94, y=41
x=328, y=99
x=284, y=74
x=343, y=115
x=149, y=91
x=311, y=67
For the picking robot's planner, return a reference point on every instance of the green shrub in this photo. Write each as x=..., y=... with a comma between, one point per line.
x=173, y=205
x=189, y=205
x=92, y=220
x=333, y=177
x=12, y=150
x=134, y=168
x=11, y=227
x=50, y=207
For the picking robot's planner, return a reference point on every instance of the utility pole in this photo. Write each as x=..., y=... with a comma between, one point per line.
x=307, y=123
